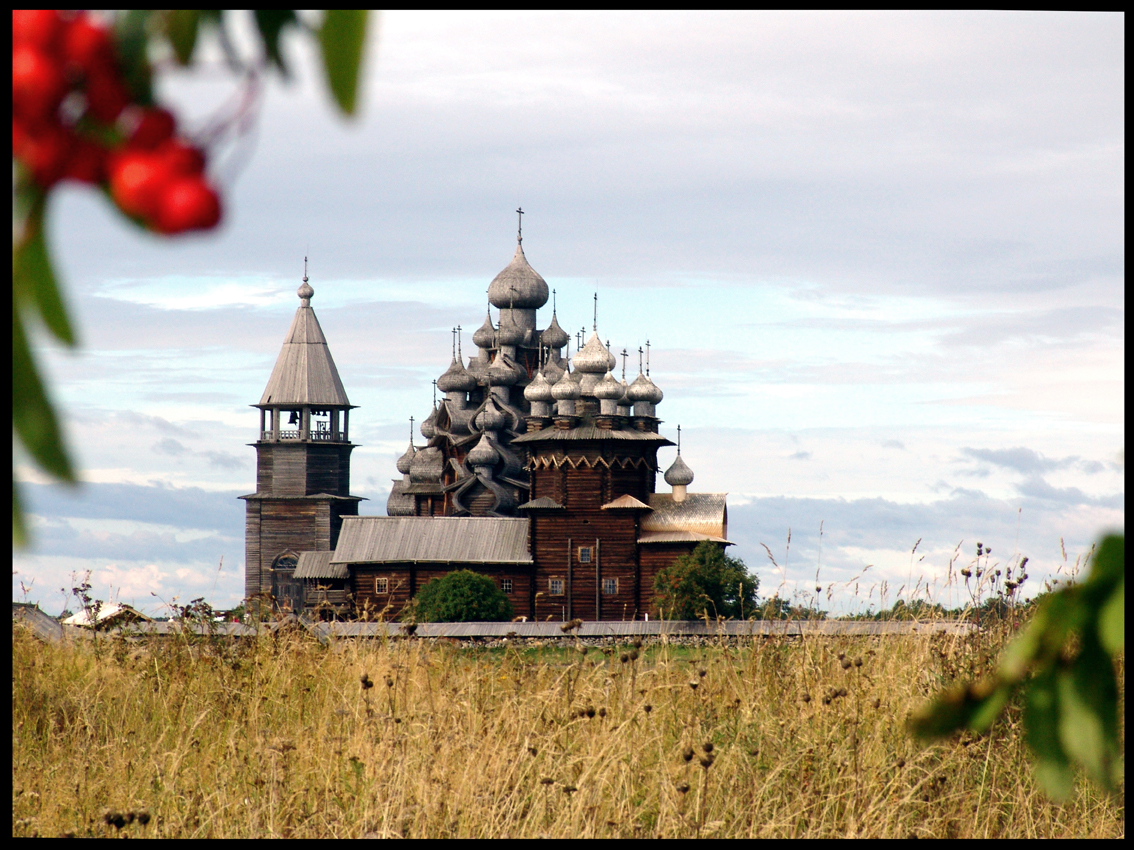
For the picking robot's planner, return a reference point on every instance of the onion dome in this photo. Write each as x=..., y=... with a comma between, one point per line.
x=305, y=291
x=593, y=358
x=679, y=475
x=456, y=379
x=552, y=371
x=508, y=332
x=483, y=454
x=428, y=427
x=609, y=388
x=406, y=460
x=643, y=389
x=502, y=374
x=490, y=417
x=566, y=388
x=554, y=336
x=519, y=285
x=485, y=334
x=427, y=466
x=539, y=389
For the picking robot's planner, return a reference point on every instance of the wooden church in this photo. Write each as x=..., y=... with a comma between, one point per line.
x=538, y=469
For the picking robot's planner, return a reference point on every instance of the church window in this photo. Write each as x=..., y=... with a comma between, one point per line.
x=585, y=554
x=381, y=585
x=555, y=587
x=506, y=585
x=610, y=586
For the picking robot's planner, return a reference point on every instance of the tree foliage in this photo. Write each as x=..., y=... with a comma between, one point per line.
x=706, y=582
x=462, y=596
x=1064, y=662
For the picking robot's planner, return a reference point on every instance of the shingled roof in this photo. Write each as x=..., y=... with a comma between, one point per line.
x=305, y=372
x=433, y=540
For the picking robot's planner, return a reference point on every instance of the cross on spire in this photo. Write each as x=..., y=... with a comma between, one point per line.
x=411, y=432
x=520, y=228
x=596, y=313
x=305, y=269
x=624, y=365
x=647, y=358
x=679, y=440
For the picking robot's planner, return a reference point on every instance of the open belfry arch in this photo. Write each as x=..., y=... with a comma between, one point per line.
x=537, y=468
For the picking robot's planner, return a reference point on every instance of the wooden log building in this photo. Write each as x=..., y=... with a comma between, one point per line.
x=538, y=470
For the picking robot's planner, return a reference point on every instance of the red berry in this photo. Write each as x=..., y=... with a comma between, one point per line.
x=154, y=127
x=182, y=159
x=38, y=84
x=188, y=203
x=106, y=96
x=36, y=27
x=86, y=161
x=86, y=45
x=45, y=153
x=136, y=182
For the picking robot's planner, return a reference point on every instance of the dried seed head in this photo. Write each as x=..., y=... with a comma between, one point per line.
x=901, y=763
x=818, y=589
x=842, y=692
x=602, y=712
x=707, y=760
x=143, y=817
x=806, y=697
x=366, y=683
x=687, y=754
x=633, y=655
x=579, y=648
x=702, y=673
x=858, y=661
x=546, y=780
x=694, y=684
x=877, y=702
x=707, y=746
x=682, y=787
x=624, y=658
x=533, y=751
x=647, y=708
x=389, y=682
x=590, y=711
x=638, y=642
x=846, y=663
x=755, y=751
x=842, y=655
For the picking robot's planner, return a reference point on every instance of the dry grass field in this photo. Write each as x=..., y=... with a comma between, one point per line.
x=285, y=737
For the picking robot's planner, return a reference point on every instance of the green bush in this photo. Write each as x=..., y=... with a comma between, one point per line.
x=462, y=596
x=706, y=582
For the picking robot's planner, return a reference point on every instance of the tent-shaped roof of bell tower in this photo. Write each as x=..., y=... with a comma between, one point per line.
x=305, y=372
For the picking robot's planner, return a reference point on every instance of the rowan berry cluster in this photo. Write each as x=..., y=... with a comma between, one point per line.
x=75, y=118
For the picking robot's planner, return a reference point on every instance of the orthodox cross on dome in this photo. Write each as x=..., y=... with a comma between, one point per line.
x=647, y=358
x=453, y=340
x=459, y=342
x=411, y=432
x=639, y=360
x=435, y=395
x=624, y=364
x=520, y=228
x=553, y=301
x=679, y=440
x=595, y=326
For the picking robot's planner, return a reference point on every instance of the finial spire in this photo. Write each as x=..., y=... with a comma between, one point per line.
x=647, y=358
x=624, y=365
x=411, y=432
x=435, y=395
x=679, y=441
x=305, y=290
x=595, y=326
x=553, y=301
x=453, y=340
x=459, y=355
x=639, y=360
x=520, y=228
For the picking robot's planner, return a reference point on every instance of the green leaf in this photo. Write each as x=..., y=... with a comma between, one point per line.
x=271, y=23
x=1112, y=620
x=1088, y=703
x=33, y=281
x=131, y=44
x=33, y=418
x=181, y=27
x=1041, y=723
x=342, y=38
x=19, y=531
x=1110, y=561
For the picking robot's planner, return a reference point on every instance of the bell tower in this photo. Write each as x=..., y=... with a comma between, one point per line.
x=302, y=460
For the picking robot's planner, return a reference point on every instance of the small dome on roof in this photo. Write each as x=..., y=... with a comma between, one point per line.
x=566, y=387
x=554, y=336
x=539, y=389
x=643, y=389
x=503, y=373
x=679, y=474
x=518, y=285
x=593, y=357
x=456, y=379
x=508, y=332
x=609, y=388
x=483, y=454
x=305, y=292
x=428, y=428
x=486, y=334
x=490, y=417
x=552, y=371
x=406, y=460
x=427, y=466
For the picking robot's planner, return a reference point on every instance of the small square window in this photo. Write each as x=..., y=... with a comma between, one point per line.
x=610, y=586
x=585, y=554
x=381, y=585
x=555, y=587
x=506, y=585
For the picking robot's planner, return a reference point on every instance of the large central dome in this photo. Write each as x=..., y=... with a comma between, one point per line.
x=519, y=286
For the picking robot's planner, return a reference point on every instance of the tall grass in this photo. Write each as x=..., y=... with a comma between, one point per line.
x=282, y=736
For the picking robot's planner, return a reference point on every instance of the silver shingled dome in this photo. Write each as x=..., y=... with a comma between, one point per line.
x=518, y=285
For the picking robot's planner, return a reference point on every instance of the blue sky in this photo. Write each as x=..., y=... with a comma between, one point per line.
x=879, y=259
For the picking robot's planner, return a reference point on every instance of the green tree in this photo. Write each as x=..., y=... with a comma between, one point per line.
x=83, y=110
x=462, y=596
x=706, y=582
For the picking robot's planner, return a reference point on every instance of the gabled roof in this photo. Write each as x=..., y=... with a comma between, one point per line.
x=626, y=502
x=590, y=431
x=316, y=565
x=703, y=515
x=543, y=503
x=305, y=373
x=107, y=612
x=433, y=540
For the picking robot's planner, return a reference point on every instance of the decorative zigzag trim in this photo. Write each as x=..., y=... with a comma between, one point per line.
x=545, y=462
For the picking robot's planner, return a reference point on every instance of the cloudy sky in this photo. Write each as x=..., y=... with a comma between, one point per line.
x=879, y=259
